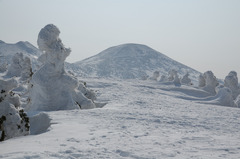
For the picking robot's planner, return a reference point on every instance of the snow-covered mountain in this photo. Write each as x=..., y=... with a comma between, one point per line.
x=8, y=50
x=129, y=61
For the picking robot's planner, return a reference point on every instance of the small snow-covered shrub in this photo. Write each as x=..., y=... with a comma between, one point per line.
x=13, y=121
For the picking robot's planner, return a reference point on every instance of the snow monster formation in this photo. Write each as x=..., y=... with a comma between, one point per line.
x=173, y=76
x=221, y=94
x=52, y=87
x=186, y=80
x=231, y=81
x=13, y=121
x=208, y=82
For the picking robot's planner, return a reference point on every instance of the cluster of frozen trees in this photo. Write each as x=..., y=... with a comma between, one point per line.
x=224, y=94
x=227, y=94
x=172, y=78
x=50, y=88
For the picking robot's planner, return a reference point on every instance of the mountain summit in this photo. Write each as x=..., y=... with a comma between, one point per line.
x=130, y=61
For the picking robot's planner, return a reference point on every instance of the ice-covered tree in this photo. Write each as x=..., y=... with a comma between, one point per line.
x=52, y=87
x=231, y=81
x=26, y=71
x=211, y=82
x=186, y=80
x=13, y=121
x=173, y=76
x=87, y=92
x=15, y=67
x=224, y=96
x=20, y=66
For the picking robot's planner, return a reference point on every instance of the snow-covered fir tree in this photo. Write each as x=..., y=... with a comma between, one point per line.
x=13, y=121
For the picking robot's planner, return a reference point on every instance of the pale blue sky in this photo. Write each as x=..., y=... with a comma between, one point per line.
x=203, y=34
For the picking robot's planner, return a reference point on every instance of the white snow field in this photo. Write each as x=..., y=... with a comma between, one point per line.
x=142, y=120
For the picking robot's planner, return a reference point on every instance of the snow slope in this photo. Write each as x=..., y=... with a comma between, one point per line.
x=142, y=120
x=130, y=61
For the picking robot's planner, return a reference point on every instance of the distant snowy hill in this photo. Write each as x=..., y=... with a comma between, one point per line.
x=130, y=61
x=8, y=50
x=127, y=61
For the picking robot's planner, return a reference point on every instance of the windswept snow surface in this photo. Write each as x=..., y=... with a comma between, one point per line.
x=142, y=120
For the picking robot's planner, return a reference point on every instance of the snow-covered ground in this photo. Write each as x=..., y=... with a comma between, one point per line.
x=142, y=119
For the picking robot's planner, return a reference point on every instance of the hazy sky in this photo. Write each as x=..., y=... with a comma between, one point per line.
x=203, y=34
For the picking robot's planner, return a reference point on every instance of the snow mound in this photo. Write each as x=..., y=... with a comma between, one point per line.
x=130, y=61
x=40, y=123
x=223, y=97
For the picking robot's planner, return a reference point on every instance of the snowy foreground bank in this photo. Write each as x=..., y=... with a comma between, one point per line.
x=142, y=119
